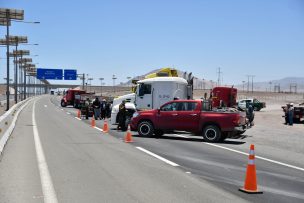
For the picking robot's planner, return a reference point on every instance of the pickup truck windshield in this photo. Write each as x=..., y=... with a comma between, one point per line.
x=180, y=106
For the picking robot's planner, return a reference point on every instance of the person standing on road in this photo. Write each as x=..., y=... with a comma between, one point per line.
x=286, y=111
x=87, y=106
x=290, y=114
x=103, y=109
x=121, y=116
x=250, y=114
x=96, y=107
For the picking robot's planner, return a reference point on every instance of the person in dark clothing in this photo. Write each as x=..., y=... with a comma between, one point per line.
x=96, y=108
x=103, y=109
x=108, y=110
x=250, y=114
x=286, y=110
x=87, y=106
x=122, y=116
x=290, y=114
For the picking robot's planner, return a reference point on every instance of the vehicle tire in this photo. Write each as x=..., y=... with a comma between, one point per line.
x=145, y=129
x=63, y=104
x=211, y=133
x=158, y=133
x=256, y=109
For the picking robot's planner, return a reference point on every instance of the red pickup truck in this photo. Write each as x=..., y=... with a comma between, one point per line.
x=194, y=116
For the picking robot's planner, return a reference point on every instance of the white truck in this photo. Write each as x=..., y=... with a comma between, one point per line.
x=151, y=93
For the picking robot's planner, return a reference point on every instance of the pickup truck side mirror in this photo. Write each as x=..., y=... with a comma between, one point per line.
x=158, y=111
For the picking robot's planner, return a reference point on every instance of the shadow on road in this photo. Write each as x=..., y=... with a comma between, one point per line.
x=192, y=139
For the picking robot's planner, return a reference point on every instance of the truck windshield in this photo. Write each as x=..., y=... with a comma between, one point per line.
x=144, y=89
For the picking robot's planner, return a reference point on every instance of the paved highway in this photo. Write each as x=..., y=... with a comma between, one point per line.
x=53, y=157
x=280, y=163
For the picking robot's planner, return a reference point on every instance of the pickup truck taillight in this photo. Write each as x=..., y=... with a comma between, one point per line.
x=236, y=120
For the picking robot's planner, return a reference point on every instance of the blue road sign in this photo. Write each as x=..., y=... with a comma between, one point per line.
x=49, y=74
x=70, y=74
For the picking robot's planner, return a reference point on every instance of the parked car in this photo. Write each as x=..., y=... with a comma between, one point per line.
x=256, y=104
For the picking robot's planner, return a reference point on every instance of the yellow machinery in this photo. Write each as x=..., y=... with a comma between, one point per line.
x=164, y=72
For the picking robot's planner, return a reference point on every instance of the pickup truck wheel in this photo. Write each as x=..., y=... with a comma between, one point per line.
x=63, y=104
x=212, y=133
x=145, y=128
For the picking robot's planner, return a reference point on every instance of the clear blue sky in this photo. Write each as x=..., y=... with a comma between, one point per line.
x=133, y=37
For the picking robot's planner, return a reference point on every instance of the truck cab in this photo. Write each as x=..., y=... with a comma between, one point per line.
x=71, y=97
x=153, y=92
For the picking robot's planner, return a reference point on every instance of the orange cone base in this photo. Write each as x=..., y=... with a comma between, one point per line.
x=250, y=191
x=128, y=141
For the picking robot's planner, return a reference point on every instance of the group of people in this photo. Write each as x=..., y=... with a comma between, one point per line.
x=289, y=111
x=102, y=109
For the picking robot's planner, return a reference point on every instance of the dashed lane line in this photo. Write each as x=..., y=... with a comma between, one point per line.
x=78, y=118
x=45, y=177
x=157, y=156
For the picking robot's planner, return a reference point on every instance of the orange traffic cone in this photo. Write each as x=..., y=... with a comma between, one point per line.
x=78, y=114
x=128, y=136
x=250, y=185
x=93, y=122
x=105, y=126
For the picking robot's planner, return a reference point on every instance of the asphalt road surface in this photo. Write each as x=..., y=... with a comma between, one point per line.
x=78, y=163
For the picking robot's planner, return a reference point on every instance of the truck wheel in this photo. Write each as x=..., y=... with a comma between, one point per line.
x=158, y=133
x=211, y=133
x=145, y=128
x=256, y=109
x=63, y=104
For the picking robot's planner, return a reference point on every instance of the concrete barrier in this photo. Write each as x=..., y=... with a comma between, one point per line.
x=8, y=121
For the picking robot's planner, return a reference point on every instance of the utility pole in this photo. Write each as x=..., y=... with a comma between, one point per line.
x=252, y=83
x=219, y=76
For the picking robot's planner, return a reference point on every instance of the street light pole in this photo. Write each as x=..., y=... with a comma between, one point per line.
x=101, y=79
x=114, y=78
x=7, y=61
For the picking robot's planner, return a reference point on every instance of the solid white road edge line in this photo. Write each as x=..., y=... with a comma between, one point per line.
x=158, y=157
x=258, y=157
x=45, y=177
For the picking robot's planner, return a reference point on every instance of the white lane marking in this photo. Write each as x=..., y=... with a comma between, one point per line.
x=68, y=113
x=182, y=136
x=258, y=157
x=188, y=172
x=61, y=109
x=78, y=118
x=45, y=177
x=158, y=157
x=45, y=106
x=98, y=129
